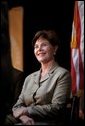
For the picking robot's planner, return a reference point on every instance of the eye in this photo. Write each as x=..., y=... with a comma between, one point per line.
x=36, y=46
x=44, y=45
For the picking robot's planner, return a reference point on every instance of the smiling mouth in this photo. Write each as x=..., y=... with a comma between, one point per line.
x=41, y=53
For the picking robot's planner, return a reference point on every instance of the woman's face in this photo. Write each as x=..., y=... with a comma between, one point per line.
x=43, y=50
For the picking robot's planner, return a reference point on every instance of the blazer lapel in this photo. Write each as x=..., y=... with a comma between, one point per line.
x=37, y=77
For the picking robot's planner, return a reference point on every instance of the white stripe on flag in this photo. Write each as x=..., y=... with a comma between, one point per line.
x=81, y=13
x=75, y=54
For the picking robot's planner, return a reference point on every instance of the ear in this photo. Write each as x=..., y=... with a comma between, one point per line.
x=56, y=48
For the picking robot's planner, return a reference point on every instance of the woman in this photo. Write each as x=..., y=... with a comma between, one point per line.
x=44, y=92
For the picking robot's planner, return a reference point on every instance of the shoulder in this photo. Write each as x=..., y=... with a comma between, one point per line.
x=29, y=78
x=61, y=72
x=31, y=75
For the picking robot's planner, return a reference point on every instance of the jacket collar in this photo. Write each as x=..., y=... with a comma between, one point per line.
x=37, y=74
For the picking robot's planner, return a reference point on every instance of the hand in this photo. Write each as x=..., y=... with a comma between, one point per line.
x=26, y=120
x=20, y=111
x=81, y=114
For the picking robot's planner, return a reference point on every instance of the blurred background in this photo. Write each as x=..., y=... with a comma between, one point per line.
x=20, y=20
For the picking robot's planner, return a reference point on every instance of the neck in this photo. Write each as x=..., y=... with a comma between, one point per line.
x=46, y=67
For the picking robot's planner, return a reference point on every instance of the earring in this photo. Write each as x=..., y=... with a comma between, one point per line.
x=54, y=53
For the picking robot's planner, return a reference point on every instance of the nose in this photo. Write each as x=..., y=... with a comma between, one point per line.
x=39, y=48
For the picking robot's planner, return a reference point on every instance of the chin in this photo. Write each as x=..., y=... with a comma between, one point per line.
x=41, y=60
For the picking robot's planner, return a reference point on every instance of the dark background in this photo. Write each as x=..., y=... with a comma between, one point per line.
x=50, y=15
x=38, y=15
x=46, y=14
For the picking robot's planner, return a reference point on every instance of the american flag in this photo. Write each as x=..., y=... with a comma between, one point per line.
x=77, y=48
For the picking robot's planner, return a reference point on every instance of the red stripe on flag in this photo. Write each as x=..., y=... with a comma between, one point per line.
x=77, y=23
x=81, y=71
x=73, y=74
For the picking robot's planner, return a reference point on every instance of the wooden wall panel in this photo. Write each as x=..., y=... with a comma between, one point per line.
x=16, y=36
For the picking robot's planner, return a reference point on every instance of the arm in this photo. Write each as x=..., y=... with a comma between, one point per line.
x=19, y=108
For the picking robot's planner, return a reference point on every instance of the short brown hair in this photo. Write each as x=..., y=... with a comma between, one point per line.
x=50, y=35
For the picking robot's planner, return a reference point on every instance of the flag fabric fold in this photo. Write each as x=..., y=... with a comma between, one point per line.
x=77, y=48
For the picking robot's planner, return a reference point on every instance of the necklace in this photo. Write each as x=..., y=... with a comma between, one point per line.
x=45, y=72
